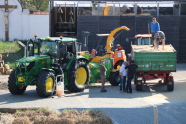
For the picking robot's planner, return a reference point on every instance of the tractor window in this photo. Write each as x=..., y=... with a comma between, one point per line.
x=70, y=48
x=49, y=48
x=143, y=41
x=35, y=48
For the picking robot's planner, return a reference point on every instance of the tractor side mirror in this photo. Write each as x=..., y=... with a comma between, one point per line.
x=30, y=45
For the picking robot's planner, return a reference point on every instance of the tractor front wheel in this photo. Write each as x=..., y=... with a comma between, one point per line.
x=13, y=88
x=46, y=84
x=114, y=78
x=78, y=78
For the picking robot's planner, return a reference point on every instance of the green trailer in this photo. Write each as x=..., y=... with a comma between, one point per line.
x=153, y=64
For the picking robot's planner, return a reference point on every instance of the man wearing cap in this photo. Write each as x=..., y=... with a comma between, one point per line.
x=131, y=71
x=154, y=27
x=123, y=74
x=102, y=75
x=159, y=36
x=118, y=47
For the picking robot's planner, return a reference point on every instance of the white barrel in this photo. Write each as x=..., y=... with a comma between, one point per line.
x=60, y=88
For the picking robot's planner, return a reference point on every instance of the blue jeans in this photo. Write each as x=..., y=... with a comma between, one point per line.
x=122, y=83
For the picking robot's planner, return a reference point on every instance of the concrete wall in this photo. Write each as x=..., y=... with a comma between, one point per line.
x=22, y=24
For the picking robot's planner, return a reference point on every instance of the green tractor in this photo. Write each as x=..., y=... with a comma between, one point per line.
x=48, y=61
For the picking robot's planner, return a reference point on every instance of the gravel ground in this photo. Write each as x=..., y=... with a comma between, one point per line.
x=4, y=82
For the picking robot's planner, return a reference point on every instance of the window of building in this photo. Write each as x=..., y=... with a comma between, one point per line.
x=127, y=9
x=157, y=8
x=183, y=8
x=84, y=8
x=147, y=9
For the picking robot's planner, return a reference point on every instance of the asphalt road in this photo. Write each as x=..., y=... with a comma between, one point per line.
x=123, y=108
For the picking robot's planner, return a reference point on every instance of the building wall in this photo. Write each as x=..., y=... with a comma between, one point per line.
x=22, y=24
x=182, y=39
x=173, y=26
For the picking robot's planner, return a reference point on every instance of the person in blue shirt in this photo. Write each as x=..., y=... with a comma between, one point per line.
x=154, y=27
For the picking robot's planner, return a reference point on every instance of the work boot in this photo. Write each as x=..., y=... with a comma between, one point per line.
x=103, y=90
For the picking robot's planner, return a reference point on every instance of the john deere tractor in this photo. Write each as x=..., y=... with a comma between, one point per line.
x=48, y=61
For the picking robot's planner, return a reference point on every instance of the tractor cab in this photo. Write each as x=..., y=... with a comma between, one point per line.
x=56, y=48
x=143, y=39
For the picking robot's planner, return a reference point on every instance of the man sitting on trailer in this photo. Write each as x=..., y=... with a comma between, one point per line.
x=159, y=36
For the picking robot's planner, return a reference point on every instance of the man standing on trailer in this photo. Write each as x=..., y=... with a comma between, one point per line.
x=154, y=27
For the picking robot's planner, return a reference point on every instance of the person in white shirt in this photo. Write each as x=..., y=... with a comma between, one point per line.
x=123, y=75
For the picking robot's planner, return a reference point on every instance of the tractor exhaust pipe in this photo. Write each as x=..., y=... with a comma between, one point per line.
x=20, y=43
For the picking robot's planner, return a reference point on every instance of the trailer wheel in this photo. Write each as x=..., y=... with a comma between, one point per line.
x=13, y=88
x=114, y=78
x=135, y=79
x=138, y=85
x=170, y=85
x=77, y=79
x=46, y=84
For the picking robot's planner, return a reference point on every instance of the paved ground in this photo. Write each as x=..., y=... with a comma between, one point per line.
x=135, y=108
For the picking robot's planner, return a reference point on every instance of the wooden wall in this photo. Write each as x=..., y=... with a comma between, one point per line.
x=174, y=28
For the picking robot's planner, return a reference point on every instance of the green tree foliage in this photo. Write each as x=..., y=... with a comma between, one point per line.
x=41, y=5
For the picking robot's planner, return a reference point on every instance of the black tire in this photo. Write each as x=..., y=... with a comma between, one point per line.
x=120, y=62
x=114, y=78
x=78, y=79
x=135, y=79
x=45, y=86
x=138, y=87
x=13, y=88
x=170, y=87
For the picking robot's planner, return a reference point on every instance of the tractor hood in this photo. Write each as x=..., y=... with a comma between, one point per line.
x=33, y=58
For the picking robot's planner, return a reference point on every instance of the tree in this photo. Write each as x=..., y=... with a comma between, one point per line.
x=41, y=5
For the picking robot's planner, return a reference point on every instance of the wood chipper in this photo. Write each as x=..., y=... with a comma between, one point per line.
x=113, y=59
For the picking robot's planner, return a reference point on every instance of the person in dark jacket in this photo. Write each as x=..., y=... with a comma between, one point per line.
x=131, y=71
x=102, y=75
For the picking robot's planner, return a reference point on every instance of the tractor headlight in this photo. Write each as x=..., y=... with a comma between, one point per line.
x=27, y=64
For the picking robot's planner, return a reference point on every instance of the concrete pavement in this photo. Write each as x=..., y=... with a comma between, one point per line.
x=135, y=108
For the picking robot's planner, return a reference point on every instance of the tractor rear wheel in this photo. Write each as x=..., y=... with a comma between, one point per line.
x=77, y=79
x=13, y=88
x=114, y=78
x=46, y=84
